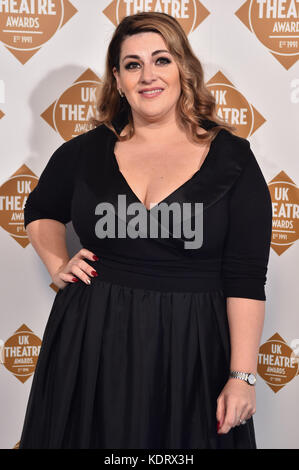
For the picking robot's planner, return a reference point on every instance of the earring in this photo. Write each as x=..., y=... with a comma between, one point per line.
x=121, y=93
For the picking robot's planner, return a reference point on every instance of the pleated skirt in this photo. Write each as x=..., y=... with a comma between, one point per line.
x=122, y=367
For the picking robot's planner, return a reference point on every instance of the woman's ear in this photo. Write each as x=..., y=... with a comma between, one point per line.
x=115, y=73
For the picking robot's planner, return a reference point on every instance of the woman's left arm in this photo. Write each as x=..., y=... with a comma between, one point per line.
x=246, y=321
x=244, y=268
x=237, y=401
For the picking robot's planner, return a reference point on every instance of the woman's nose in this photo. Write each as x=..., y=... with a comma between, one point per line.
x=148, y=72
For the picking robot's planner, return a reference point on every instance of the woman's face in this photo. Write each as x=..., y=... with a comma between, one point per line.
x=151, y=67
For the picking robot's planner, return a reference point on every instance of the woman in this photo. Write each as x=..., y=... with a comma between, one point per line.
x=145, y=330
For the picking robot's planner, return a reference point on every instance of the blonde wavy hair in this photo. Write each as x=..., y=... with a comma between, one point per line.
x=195, y=104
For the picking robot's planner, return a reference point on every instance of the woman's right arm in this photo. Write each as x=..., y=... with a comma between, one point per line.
x=48, y=210
x=48, y=238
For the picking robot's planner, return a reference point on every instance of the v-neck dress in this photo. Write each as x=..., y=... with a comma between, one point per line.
x=137, y=359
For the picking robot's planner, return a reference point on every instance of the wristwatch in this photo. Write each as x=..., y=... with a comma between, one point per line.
x=246, y=376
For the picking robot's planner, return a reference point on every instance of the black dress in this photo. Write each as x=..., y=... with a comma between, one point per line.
x=138, y=358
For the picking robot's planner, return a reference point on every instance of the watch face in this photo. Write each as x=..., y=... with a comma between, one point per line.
x=251, y=379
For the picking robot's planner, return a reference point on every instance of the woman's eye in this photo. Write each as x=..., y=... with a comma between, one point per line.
x=165, y=58
x=128, y=66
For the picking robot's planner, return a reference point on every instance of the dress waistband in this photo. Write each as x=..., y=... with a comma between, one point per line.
x=162, y=278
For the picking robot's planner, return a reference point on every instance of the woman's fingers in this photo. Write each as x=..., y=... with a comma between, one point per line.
x=220, y=411
x=247, y=414
x=81, y=269
x=67, y=277
x=229, y=418
x=238, y=401
x=77, y=268
x=84, y=253
x=233, y=417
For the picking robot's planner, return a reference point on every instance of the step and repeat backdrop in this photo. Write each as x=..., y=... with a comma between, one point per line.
x=52, y=56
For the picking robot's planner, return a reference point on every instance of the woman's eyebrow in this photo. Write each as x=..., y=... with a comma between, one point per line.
x=134, y=56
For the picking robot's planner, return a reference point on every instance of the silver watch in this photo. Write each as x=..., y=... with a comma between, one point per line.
x=246, y=376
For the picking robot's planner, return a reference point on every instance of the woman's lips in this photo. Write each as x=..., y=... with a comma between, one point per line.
x=152, y=94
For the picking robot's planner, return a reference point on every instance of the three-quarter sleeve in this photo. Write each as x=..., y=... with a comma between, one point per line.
x=247, y=243
x=52, y=196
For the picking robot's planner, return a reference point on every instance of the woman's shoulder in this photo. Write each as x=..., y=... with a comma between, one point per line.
x=76, y=152
x=236, y=141
x=232, y=157
x=229, y=140
x=233, y=148
x=90, y=137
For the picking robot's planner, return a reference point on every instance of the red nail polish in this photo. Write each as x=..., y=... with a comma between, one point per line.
x=95, y=258
x=75, y=280
x=218, y=426
x=94, y=273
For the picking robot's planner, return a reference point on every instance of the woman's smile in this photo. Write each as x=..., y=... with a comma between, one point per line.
x=151, y=94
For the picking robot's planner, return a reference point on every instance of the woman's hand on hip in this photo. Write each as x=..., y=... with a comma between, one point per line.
x=76, y=266
x=236, y=402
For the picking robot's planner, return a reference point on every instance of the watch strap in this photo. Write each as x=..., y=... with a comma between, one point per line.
x=242, y=376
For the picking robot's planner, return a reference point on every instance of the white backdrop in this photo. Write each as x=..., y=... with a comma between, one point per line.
x=50, y=61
